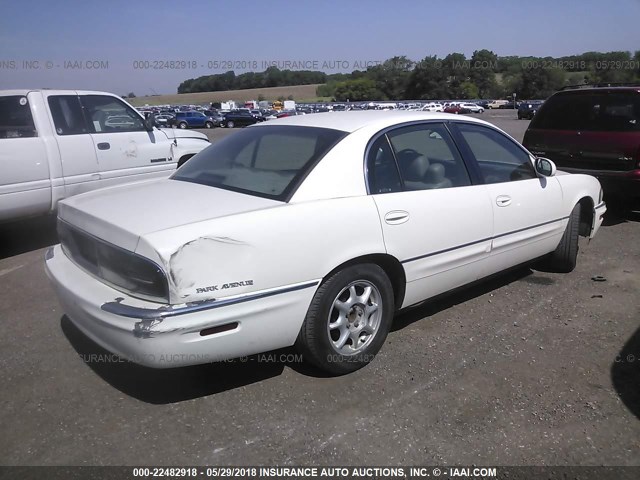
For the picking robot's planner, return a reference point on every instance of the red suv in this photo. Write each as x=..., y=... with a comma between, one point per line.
x=593, y=129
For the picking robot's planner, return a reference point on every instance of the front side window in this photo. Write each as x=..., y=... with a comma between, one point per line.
x=108, y=115
x=15, y=117
x=67, y=114
x=498, y=157
x=268, y=161
x=427, y=157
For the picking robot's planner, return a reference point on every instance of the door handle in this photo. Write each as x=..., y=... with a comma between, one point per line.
x=396, y=217
x=104, y=146
x=503, y=200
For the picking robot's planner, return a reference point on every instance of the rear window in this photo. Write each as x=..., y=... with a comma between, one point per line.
x=267, y=161
x=15, y=117
x=607, y=112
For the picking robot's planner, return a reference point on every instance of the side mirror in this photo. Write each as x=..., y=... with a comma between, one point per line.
x=150, y=122
x=545, y=167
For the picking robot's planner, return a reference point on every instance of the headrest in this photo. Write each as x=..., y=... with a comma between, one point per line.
x=435, y=173
x=417, y=168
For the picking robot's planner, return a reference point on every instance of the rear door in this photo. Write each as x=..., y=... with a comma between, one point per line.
x=434, y=219
x=126, y=151
x=528, y=216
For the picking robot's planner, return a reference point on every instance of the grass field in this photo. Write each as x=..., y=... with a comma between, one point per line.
x=301, y=93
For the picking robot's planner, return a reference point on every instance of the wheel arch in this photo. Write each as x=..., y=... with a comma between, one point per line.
x=586, y=216
x=184, y=158
x=392, y=268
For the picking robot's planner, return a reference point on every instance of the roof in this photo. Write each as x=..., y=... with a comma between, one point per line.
x=352, y=120
x=50, y=91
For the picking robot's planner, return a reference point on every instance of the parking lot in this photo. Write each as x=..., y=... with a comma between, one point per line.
x=528, y=368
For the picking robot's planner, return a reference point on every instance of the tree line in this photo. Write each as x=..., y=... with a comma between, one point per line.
x=483, y=75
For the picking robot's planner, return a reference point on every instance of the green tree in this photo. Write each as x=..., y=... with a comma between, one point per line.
x=469, y=90
x=484, y=64
x=428, y=80
x=392, y=77
x=540, y=82
x=357, y=90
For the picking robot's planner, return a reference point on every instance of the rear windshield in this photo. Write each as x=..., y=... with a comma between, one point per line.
x=268, y=161
x=607, y=112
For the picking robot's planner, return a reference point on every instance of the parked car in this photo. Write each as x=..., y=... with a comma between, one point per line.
x=439, y=202
x=509, y=106
x=58, y=143
x=497, y=103
x=526, y=110
x=240, y=118
x=594, y=130
x=193, y=119
x=453, y=108
x=165, y=120
x=432, y=107
x=216, y=116
x=287, y=113
x=483, y=103
x=471, y=107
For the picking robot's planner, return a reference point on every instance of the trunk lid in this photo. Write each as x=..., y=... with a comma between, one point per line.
x=121, y=215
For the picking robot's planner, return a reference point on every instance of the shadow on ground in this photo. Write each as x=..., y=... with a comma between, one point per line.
x=162, y=386
x=464, y=294
x=27, y=235
x=625, y=374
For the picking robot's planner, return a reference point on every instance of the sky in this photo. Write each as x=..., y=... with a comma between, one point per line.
x=122, y=46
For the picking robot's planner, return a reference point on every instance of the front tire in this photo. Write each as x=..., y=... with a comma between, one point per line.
x=348, y=319
x=208, y=125
x=564, y=258
x=230, y=124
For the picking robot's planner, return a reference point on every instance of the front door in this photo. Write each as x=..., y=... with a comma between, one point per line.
x=126, y=151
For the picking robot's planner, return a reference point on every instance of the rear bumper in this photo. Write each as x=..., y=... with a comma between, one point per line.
x=162, y=336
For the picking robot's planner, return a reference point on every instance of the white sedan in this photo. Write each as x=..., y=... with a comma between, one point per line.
x=311, y=230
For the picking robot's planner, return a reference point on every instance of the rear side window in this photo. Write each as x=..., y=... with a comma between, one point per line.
x=606, y=112
x=67, y=115
x=427, y=157
x=15, y=117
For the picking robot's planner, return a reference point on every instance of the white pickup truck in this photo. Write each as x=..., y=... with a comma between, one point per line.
x=59, y=143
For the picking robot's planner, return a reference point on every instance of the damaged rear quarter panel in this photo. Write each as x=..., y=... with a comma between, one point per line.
x=263, y=249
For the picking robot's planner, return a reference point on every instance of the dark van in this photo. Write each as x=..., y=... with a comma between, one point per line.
x=594, y=130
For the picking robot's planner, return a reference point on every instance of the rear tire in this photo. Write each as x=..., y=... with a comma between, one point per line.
x=348, y=319
x=230, y=124
x=182, y=125
x=563, y=259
